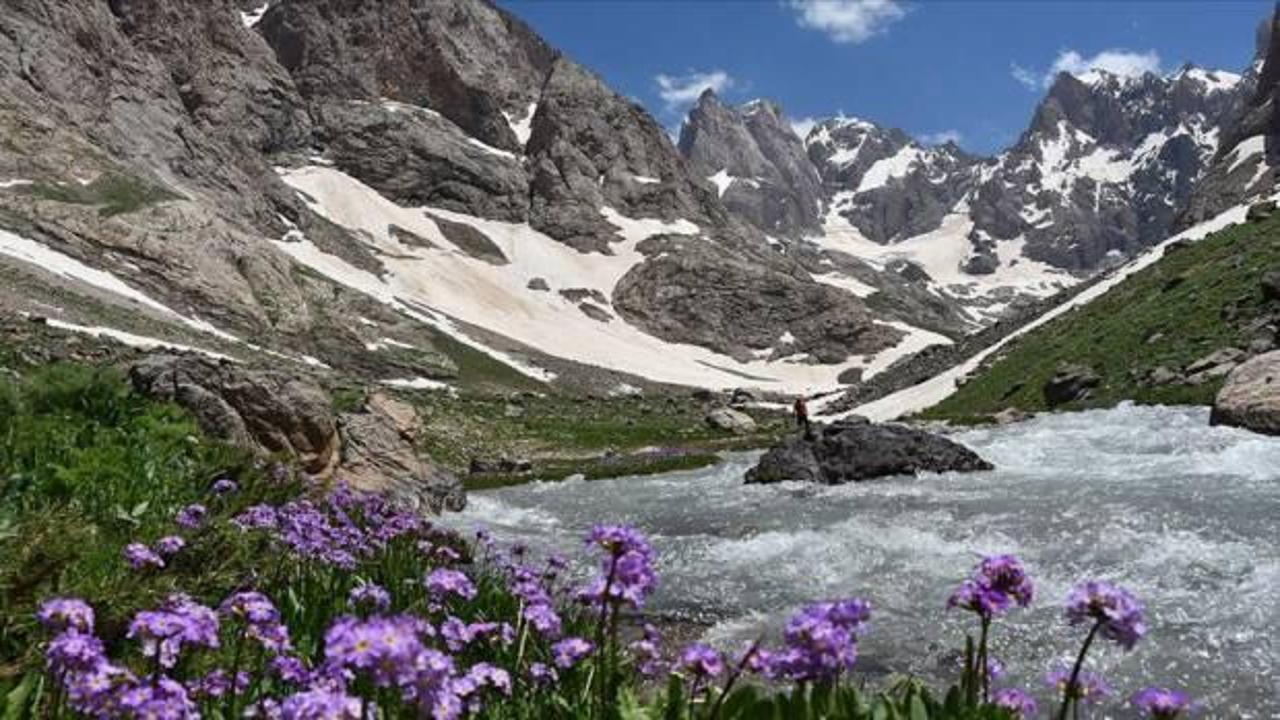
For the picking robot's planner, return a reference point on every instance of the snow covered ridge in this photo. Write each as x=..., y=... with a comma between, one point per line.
x=444, y=286
x=938, y=388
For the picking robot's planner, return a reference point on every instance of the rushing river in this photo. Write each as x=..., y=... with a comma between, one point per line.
x=1186, y=516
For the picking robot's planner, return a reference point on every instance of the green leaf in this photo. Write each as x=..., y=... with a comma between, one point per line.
x=139, y=509
x=17, y=701
x=675, y=698
x=917, y=708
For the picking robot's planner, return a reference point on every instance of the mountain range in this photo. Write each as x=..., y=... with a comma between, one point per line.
x=400, y=190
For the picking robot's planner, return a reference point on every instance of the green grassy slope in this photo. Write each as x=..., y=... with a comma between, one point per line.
x=1192, y=302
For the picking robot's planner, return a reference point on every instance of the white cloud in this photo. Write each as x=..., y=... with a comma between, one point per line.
x=679, y=91
x=942, y=137
x=1124, y=63
x=1025, y=76
x=802, y=126
x=847, y=21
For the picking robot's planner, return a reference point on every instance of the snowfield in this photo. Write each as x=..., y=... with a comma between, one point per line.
x=444, y=284
x=938, y=388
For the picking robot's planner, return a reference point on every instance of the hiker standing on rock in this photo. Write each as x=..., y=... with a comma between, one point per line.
x=801, y=410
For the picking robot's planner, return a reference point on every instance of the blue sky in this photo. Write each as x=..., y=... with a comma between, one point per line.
x=970, y=70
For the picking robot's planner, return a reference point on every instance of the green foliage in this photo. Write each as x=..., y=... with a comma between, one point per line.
x=114, y=194
x=1195, y=300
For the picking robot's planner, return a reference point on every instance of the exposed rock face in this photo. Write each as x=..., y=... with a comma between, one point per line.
x=1250, y=398
x=852, y=452
x=1069, y=384
x=1244, y=166
x=705, y=297
x=757, y=163
x=267, y=411
x=378, y=455
x=730, y=420
x=373, y=450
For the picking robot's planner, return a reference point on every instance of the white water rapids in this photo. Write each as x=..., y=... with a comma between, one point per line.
x=1186, y=516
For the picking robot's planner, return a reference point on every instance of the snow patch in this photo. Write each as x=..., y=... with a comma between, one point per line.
x=132, y=340
x=722, y=180
x=16, y=182
x=255, y=16
x=417, y=383
x=646, y=180
x=523, y=128
x=492, y=150
x=1247, y=148
x=894, y=166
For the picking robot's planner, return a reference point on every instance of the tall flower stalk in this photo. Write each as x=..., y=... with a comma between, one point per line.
x=1112, y=612
x=999, y=583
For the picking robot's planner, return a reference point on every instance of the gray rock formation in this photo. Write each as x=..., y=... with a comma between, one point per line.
x=1070, y=383
x=730, y=420
x=379, y=455
x=857, y=451
x=266, y=411
x=757, y=163
x=1250, y=398
x=372, y=450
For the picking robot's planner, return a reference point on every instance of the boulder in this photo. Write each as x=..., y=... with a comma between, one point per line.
x=730, y=420
x=1250, y=398
x=378, y=455
x=1270, y=284
x=742, y=396
x=1162, y=376
x=1260, y=211
x=259, y=410
x=852, y=452
x=1011, y=415
x=1226, y=356
x=1070, y=383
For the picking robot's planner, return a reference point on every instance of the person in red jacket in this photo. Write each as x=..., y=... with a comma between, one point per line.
x=801, y=410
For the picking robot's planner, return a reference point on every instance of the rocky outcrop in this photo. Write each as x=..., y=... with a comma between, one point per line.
x=704, y=296
x=730, y=420
x=857, y=451
x=1070, y=383
x=273, y=413
x=266, y=411
x=757, y=163
x=1250, y=398
x=378, y=455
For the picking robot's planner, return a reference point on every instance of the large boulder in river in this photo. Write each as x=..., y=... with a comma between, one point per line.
x=1250, y=398
x=1069, y=383
x=851, y=452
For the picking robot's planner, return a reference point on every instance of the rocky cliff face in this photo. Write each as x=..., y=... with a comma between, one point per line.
x=1104, y=169
x=756, y=163
x=1244, y=167
x=347, y=182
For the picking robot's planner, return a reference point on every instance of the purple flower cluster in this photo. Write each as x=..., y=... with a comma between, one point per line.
x=444, y=582
x=701, y=661
x=260, y=617
x=140, y=556
x=58, y=614
x=1017, y=702
x=821, y=641
x=1090, y=687
x=648, y=653
x=224, y=486
x=1117, y=611
x=369, y=595
x=998, y=583
x=1162, y=703
x=191, y=516
x=627, y=574
x=341, y=529
x=571, y=651
x=179, y=622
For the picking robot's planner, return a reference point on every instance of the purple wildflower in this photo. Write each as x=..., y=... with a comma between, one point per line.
x=99, y=692
x=443, y=582
x=702, y=661
x=140, y=556
x=369, y=595
x=821, y=641
x=388, y=649
x=251, y=606
x=495, y=677
x=1005, y=574
x=191, y=516
x=543, y=675
x=225, y=486
x=258, y=517
x=543, y=618
x=321, y=705
x=648, y=653
x=627, y=574
x=170, y=545
x=570, y=651
x=180, y=621
x=59, y=614
x=1162, y=703
x=159, y=698
x=1090, y=687
x=1016, y=701
x=290, y=669
x=218, y=684
x=74, y=652
x=1117, y=611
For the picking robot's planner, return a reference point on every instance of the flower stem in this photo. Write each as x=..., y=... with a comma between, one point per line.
x=733, y=678
x=1071, y=690
x=983, y=663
